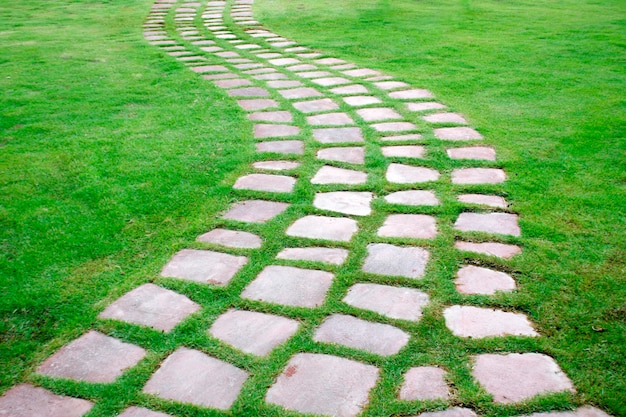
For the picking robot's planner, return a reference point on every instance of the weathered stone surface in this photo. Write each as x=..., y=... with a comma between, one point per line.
x=586, y=411
x=478, y=176
x=485, y=200
x=314, y=106
x=394, y=302
x=257, y=71
x=501, y=250
x=375, y=114
x=353, y=155
x=407, y=151
x=411, y=94
x=333, y=256
x=255, y=211
x=141, y=412
x=189, y=376
x=257, y=104
x=476, y=280
x=204, y=266
x=309, y=55
x=393, y=126
x=419, y=226
x=330, y=119
x=221, y=76
x=338, y=135
x=252, y=332
x=450, y=412
x=391, y=85
x=424, y=106
x=323, y=384
x=413, y=198
x=283, y=61
x=295, y=147
x=276, y=165
x=301, y=92
x=231, y=238
x=477, y=323
x=406, y=174
x=330, y=81
x=445, y=118
x=384, y=259
x=347, y=202
x=500, y=223
x=457, y=133
x=274, y=131
x=381, y=339
x=25, y=400
x=233, y=82
x=357, y=101
x=424, y=383
x=284, y=83
x=326, y=228
x=401, y=138
x=265, y=182
x=361, y=72
x=333, y=175
x=330, y=61
x=151, y=305
x=349, y=89
x=272, y=116
x=290, y=286
x=473, y=152
x=518, y=376
x=247, y=65
x=302, y=67
x=249, y=92
x=314, y=74
x=269, y=76
x=209, y=68
x=93, y=357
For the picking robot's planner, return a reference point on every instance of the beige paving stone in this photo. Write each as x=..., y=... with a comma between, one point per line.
x=323, y=384
x=25, y=400
x=141, y=412
x=418, y=226
x=192, y=377
x=272, y=116
x=287, y=285
x=361, y=72
x=500, y=250
x=452, y=118
x=393, y=302
x=93, y=357
x=352, y=155
x=284, y=84
x=478, y=176
x=330, y=81
x=233, y=82
x=295, y=147
x=485, y=200
x=500, y=223
x=424, y=106
x=265, y=182
x=333, y=175
x=477, y=280
x=257, y=104
x=346, y=202
x=326, y=228
x=411, y=94
x=249, y=92
x=401, y=138
x=298, y=93
x=316, y=106
x=450, y=412
x=477, y=323
x=270, y=76
x=220, y=76
x=393, y=126
x=333, y=256
x=302, y=67
x=276, y=165
x=407, y=174
x=413, y=198
x=457, y=133
x=338, y=135
x=314, y=74
x=375, y=114
x=403, y=261
x=284, y=61
x=209, y=68
x=586, y=411
x=255, y=211
x=309, y=55
x=231, y=239
x=330, y=119
x=472, y=152
x=406, y=151
x=251, y=65
x=330, y=61
x=204, y=266
x=258, y=71
x=391, y=85
x=357, y=101
x=349, y=89
x=424, y=383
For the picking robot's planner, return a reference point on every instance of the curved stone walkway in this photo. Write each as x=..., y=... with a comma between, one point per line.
x=307, y=106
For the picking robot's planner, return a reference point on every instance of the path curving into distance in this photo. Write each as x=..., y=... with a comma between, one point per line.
x=353, y=149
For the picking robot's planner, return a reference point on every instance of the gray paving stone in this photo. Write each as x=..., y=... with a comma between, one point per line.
x=401, y=138
x=417, y=226
x=272, y=116
x=323, y=384
x=411, y=94
x=309, y=55
x=267, y=55
x=406, y=174
x=231, y=239
x=284, y=84
x=227, y=54
x=361, y=72
x=258, y=71
x=486, y=200
x=192, y=377
x=151, y=305
x=353, y=155
x=473, y=152
x=295, y=147
x=519, y=376
x=330, y=61
x=141, y=412
x=381, y=339
x=338, y=135
x=249, y=92
x=390, y=85
x=93, y=357
x=298, y=93
x=586, y=411
x=346, y=202
x=302, y=67
x=252, y=332
x=478, y=176
x=477, y=323
x=257, y=104
x=333, y=256
x=276, y=165
x=457, y=133
x=270, y=76
x=211, y=49
x=375, y=114
x=220, y=76
x=209, y=68
x=424, y=383
x=406, y=151
x=393, y=126
x=452, y=118
x=204, y=266
x=413, y=198
x=330, y=119
x=233, y=82
x=25, y=400
x=287, y=285
x=255, y=211
x=500, y=223
x=349, y=89
x=450, y=412
x=246, y=66
x=500, y=250
x=330, y=81
x=315, y=106
x=247, y=46
x=284, y=61
x=265, y=182
x=313, y=74
x=424, y=106
x=384, y=259
x=477, y=280
x=357, y=101
x=393, y=302
x=326, y=228
x=333, y=175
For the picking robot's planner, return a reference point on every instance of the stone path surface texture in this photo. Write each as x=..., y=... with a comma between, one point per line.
x=316, y=120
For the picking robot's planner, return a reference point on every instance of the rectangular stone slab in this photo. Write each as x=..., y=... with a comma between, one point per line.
x=204, y=266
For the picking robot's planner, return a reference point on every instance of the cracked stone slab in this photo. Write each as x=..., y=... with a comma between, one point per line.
x=330, y=119
x=375, y=114
x=450, y=412
x=265, y=182
x=477, y=323
x=390, y=260
x=323, y=384
x=272, y=116
x=314, y=106
x=424, y=383
x=411, y=94
x=298, y=93
x=274, y=131
x=500, y=250
x=346, y=202
x=478, y=176
x=349, y=89
x=257, y=104
x=333, y=175
x=231, y=239
x=255, y=211
x=204, y=266
x=287, y=285
x=192, y=377
x=452, y=118
x=519, y=376
x=407, y=174
x=586, y=411
x=327, y=228
x=381, y=339
x=424, y=106
x=352, y=155
x=252, y=332
x=477, y=280
x=413, y=198
x=333, y=256
x=338, y=135
x=472, y=152
x=393, y=302
x=457, y=133
x=141, y=412
x=499, y=223
x=357, y=101
x=152, y=306
x=276, y=165
x=295, y=147
x=25, y=400
x=485, y=200
x=93, y=357
x=393, y=126
x=417, y=226
x=249, y=92
x=407, y=151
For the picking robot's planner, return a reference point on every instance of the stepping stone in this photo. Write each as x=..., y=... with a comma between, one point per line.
x=234, y=82
x=258, y=104
x=260, y=71
x=473, y=152
x=381, y=339
x=476, y=280
x=349, y=89
x=519, y=376
x=269, y=55
x=276, y=165
x=417, y=226
x=323, y=384
x=333, y=175
x=204, y=266
x=284, y=84
x=220, y=76
x=141, y=412
x=271, y=76
x=450, y=412
x=289, y=286
x=361, y=72
x=309, y=55
x=445, y=118
x=282, y=146
x=338, y=135
x=375, y=114
x=424, y=383
x=25, y=400
x=424, y=106
x=249, y=92
x=325, y=228
x=352, y=155
x=346, y=202
x=251, y=332
x=499, y=250
x=500, y=223
x=390, y=260
x=274, y=131
x=313, y=74
x=477, y=323
x=406, y=174
x=191, y=377
x=282, y=44
x=265, y=182
x=333, y=256
x=413, y=198
x=393, y=302
x=330, y=61
x=152, y=306
x=408, y=151
x=393, y=126
x=478, y=176
x=248, y=66
x=231, y=239
x=297, y=49
x=411, y=94
x=330, y=81
x=586, y=411
x=255, y=211
x=330, y=119
x=457, y=133
x=212, y=49
x=209, y=68
x=302, y=92
x=316, y=106
x=283, y=61
x=93, y=357
x=272, y=116
x=398, y=138
x=486, y=200
x=302, y=67
x=227, y=54
x=361, y=100
x=391, y=85
x=247, y=46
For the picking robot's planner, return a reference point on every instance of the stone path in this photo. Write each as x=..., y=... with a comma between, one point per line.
x=313, y=110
